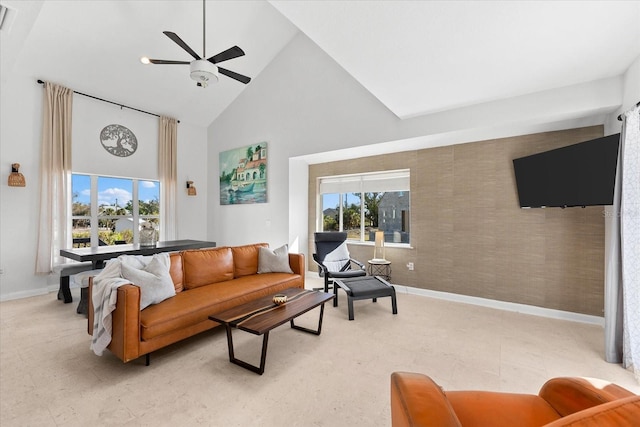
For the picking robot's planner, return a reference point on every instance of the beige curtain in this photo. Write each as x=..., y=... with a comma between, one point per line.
x=167, y=169
x=55, y=167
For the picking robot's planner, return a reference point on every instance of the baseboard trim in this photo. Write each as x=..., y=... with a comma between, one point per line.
x=24, y=294
x=34, y=292
x=503, y=305
x=447, y=296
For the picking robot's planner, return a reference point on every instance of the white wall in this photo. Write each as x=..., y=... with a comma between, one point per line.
x=20, y=117
x=88, y=155
x=20, y=132
x=630, y=96
x=192, y=166
x=309, y=108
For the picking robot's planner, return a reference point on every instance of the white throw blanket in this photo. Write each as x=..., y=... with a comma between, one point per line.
x=105, y=293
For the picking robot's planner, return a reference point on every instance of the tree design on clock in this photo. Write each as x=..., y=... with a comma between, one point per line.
x=118, y=140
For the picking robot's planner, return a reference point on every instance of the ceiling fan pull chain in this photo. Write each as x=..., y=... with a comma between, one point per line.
x=204, y=29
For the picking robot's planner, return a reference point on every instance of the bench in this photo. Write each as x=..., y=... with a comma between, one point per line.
x=66, y=271
x=83, y=270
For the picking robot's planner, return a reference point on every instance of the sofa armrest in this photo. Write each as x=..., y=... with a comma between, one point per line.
x=416, y=400
x=568, y=395
x=125, y=336
x=296, y=262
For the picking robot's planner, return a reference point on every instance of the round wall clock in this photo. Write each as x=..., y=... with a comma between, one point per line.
x=118, y=140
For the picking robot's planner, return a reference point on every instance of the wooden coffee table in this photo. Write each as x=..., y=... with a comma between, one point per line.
x=262, y=315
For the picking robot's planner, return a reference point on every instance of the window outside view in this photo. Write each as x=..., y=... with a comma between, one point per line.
x=115, y=210
x=384, y=211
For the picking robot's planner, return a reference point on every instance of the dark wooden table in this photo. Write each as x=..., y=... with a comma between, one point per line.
x=98, y=255
x=262, y=315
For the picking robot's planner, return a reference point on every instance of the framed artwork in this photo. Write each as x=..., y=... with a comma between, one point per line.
x=243, y=175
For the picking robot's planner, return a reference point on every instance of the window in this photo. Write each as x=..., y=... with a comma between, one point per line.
x=362, y=204
x=105, y=209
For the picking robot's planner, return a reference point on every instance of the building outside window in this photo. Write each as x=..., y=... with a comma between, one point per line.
x=362, y=204
x=105, y=209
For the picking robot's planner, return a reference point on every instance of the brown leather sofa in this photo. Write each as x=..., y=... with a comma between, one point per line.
x=416, y=400
x=206, y=281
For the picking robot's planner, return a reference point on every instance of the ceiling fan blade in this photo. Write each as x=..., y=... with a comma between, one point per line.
x=232, y=52
x=162, y=61
x=234, y=75
x=179, y=42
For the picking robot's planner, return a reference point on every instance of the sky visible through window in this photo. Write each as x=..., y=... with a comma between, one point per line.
x=112, y=189
x=330, y=201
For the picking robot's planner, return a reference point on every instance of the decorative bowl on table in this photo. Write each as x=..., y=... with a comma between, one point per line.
x=279, y=299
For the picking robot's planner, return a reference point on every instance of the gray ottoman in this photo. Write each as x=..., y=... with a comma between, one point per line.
x=366, y=287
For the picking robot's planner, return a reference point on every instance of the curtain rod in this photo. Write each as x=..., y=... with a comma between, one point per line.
x=620, y=116
x=111, y=102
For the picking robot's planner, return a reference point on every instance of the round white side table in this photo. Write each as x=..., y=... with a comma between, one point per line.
x=380, y=268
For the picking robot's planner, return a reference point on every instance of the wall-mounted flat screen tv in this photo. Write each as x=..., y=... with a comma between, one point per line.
x=582, y=174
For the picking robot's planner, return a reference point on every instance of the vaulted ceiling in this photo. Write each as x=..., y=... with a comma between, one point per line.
x=416, y=57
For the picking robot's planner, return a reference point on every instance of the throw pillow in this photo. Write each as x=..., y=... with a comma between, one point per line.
x=153, y=279
x=274, y=261
x=337, y=258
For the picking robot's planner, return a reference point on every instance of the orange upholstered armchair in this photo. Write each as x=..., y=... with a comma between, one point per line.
x=416, y=400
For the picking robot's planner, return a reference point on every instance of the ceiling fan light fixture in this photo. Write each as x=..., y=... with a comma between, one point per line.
x=203, y=72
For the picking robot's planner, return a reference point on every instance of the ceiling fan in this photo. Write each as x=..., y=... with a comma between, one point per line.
x=203, y=71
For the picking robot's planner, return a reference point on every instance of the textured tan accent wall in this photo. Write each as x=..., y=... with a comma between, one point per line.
x=469, y=235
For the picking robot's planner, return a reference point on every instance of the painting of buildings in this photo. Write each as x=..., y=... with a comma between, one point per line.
x=243, y=175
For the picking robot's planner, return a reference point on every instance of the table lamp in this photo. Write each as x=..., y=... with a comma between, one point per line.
x=378, y=252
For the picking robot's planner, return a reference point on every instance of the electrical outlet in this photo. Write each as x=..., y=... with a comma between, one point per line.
x=410, y=266
x=1, y=271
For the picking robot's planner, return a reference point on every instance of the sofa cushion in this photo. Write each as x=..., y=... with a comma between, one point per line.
x=479, y=408
x=274, y=261
x=207, y=266
x=176, y=272
x=194, y=306
x=245, y=259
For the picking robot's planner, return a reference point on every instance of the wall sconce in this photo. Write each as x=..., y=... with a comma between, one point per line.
x=378, y=252
x=16, y=179
x=191, y=189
